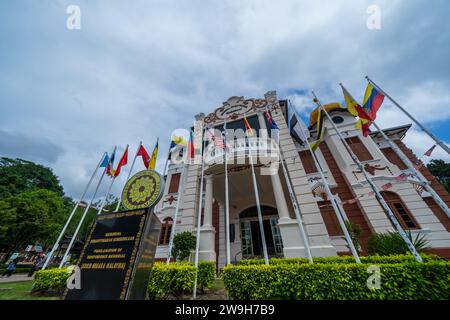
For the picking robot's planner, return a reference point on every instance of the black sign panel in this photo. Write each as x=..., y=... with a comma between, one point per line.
x=112, y=252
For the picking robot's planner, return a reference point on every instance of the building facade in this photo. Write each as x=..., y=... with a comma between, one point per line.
x=413, y=207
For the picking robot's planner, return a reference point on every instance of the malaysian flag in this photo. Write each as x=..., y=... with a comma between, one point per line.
x=217, y=140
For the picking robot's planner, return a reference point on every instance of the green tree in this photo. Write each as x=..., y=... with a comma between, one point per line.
x=33, y=216
x=183, y=243
x=17, y=175
x=441, y=170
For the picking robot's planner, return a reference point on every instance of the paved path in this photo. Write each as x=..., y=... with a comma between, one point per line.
x=16, y=278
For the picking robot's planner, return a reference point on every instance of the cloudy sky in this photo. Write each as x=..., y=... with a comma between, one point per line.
x=139, y=69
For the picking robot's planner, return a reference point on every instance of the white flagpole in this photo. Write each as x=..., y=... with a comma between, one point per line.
x=258, y=205
x=432, y=136
x=298, y=216
x=110, y=186
x=129, y=174
x=332, y=199
x=177, y=208
x=199, y=216
x=373, y=186
x=227, y=200
x=410, y=166
x=84, y=215
x=55, y=246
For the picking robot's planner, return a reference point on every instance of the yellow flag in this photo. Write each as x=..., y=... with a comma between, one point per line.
x=350, y=102
x=152, y=163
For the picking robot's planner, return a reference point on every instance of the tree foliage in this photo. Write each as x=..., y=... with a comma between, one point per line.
x=17, y=175
x=441, y=170
x=183, y=243
x=32, y=216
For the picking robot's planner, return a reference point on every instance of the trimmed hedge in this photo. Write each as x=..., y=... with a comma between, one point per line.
x=178, y=278
x=18, y=270
x=400, y=258
x=338, y=281
x=51, y=280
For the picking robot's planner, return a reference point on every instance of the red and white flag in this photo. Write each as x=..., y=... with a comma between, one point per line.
x=429, y=151
x=217, y=140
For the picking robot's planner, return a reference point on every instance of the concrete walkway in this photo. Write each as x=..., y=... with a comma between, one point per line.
x=16, y=278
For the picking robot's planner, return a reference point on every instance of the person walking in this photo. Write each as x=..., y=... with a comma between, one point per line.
x=38, y=263
x=11, y=268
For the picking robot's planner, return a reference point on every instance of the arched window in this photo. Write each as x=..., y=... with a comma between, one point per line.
x=166, y=229
x=401, y=212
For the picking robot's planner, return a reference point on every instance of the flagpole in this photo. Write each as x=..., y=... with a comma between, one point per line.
x=56, y=244
x=227, y=200
x=410, y=166
x=432, y=136
x=258, y=204
x=129, y=174
x=177, y=208
x=199, y=217
x=84, y=214
x=106, y=196
x=372, y=185
x=332, y=199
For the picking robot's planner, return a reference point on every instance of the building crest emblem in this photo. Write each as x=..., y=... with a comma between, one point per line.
x=142, y=190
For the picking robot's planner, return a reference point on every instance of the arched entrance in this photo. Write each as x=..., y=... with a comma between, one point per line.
x=251, y=235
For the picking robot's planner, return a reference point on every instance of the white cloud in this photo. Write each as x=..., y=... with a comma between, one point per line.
x=138, y=70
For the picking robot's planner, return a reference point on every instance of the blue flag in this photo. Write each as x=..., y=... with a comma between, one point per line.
x=104, y=161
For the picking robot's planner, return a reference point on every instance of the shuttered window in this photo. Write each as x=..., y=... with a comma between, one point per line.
x=166, y=229
x=330, y=219
x=393, y=158
x=174, y=182
x=400, y=211
x=359, y=149
x=307, y=161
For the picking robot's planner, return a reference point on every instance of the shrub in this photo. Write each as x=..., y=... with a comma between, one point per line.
x=51, y=280
x=183, y=243
x=376, y=259
x=206, y=274
x=392, y=243
x=178, y=278
x=323, y=281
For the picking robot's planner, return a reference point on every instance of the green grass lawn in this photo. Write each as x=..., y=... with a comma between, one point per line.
x=20, y=291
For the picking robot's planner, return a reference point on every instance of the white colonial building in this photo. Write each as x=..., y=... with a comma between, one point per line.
x=413, y=207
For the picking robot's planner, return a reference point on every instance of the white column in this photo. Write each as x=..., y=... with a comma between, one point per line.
x=278, y=192
x=207, y=231
x=207, y=215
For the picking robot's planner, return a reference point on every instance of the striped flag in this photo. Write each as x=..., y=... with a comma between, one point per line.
x=429, y=151
x=217, y=140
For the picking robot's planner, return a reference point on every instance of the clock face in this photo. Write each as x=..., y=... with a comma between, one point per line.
x=142, y=190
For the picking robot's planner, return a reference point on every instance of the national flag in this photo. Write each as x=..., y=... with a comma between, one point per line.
x=123, y=161
x=319, y=128
x=350, y=102
x=275, y=131
x=429, y=151
x=353, y=107
x=299, y=131
x=248, y=128
x=110, y=166
x=364, y=126
x=105, y=161
x=372, y=101
x=152, y=163
x=178, y=141
x=145, y=156
x=217, y=140
x=190, y=147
